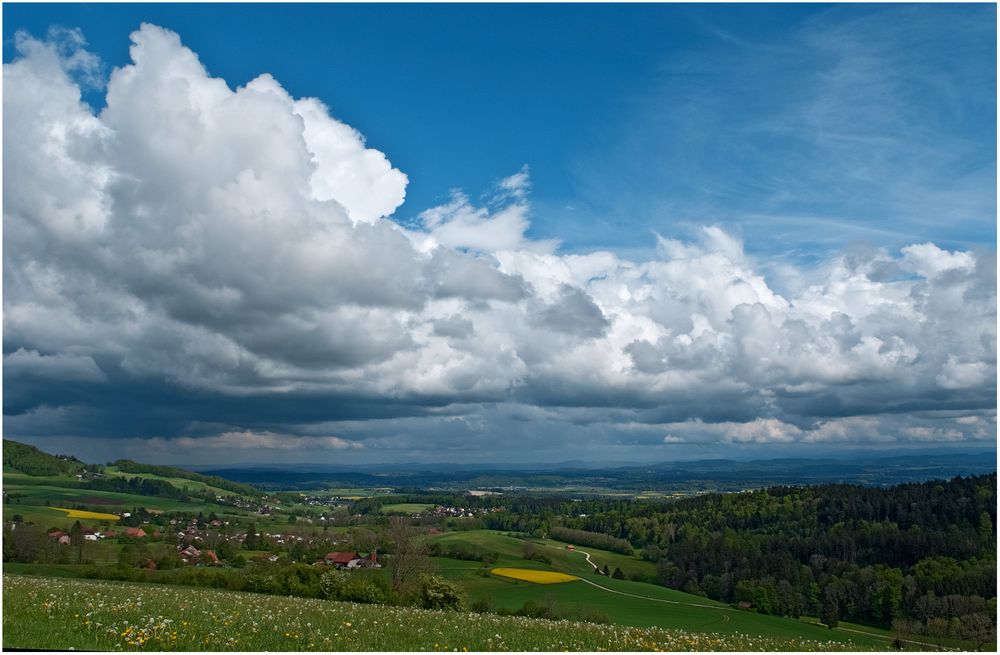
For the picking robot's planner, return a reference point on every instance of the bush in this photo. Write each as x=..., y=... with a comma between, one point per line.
x=436, y=593
x=539, y=611
x=333, y=583
x=589, y=615
x=483, y=606
x=364, y=589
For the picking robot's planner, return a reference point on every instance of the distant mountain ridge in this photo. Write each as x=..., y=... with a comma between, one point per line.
x=718, y=474
x=709, y=474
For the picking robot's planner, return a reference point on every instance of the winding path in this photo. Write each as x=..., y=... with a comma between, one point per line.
x=588, y=559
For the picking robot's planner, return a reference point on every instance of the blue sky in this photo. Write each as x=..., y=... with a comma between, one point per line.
x=630, y=232
x=805, y=127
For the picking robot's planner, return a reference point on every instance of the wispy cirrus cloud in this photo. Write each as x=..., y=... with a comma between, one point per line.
x=872, y=124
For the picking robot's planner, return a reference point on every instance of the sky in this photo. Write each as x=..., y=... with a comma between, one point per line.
x=358, y=234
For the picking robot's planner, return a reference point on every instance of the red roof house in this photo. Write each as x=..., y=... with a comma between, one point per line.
x=189, y=555
x=138, y=533
x=341, y=558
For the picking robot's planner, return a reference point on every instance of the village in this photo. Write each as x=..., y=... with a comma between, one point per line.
x=167, y=540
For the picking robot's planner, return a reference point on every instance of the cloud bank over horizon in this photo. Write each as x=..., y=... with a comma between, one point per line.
x=197, y=273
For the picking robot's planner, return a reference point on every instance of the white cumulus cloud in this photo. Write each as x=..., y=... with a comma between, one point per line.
x=236, y=242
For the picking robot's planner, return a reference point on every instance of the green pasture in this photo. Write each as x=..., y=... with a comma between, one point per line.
x=625, y=602
x=111, y=501
x=189, y=486
x=32, y=498
x=406, y=508
x=511, y=549
x=11, y=477
x=350, y=493
x=63, y=613
x=646, y=605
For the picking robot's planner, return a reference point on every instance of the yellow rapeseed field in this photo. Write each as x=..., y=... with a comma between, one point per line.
x=84, y=514
x=538, y=577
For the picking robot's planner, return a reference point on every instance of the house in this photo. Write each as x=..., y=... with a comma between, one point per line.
x=216, y=523
x=342, y=559
x=56, y=534
x=569, y=547
x=90, y=537
x=213, y=559
x=189, y=554
x=110, y=534
x=137, y=533
x=64, y=540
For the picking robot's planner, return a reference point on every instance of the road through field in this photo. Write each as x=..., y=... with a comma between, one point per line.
x=588, y=559
x=656, y=600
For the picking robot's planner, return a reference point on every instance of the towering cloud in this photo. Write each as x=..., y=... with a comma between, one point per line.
x=205, y=242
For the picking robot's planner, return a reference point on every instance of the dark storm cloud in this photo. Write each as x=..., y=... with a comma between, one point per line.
x=573, y=312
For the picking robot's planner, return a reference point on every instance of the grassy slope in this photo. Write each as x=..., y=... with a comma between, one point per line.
x=63, y=492
x=406, y=508
x=685, y=611
x=192, y=486
x=562, y=560
x=16, y=477
x=51, y=613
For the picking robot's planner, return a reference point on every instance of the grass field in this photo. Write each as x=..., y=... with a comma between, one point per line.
x=623, y=602
x=11, y=476
x=55, y=614
x=59, y=495
x=406, y=508
x=512, y=548
x=350, y=493
x=190, y=486
x=32, y=499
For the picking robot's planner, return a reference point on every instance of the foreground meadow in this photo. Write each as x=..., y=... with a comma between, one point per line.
x=54, y=613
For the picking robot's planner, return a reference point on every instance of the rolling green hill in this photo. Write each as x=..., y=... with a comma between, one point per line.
x=169, y=472
x=35, y=482
x=187, y=485
x=512, y=548
x=32, y=461
x=622, y=602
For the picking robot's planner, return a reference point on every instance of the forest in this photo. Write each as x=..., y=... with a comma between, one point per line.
x=918, y=556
